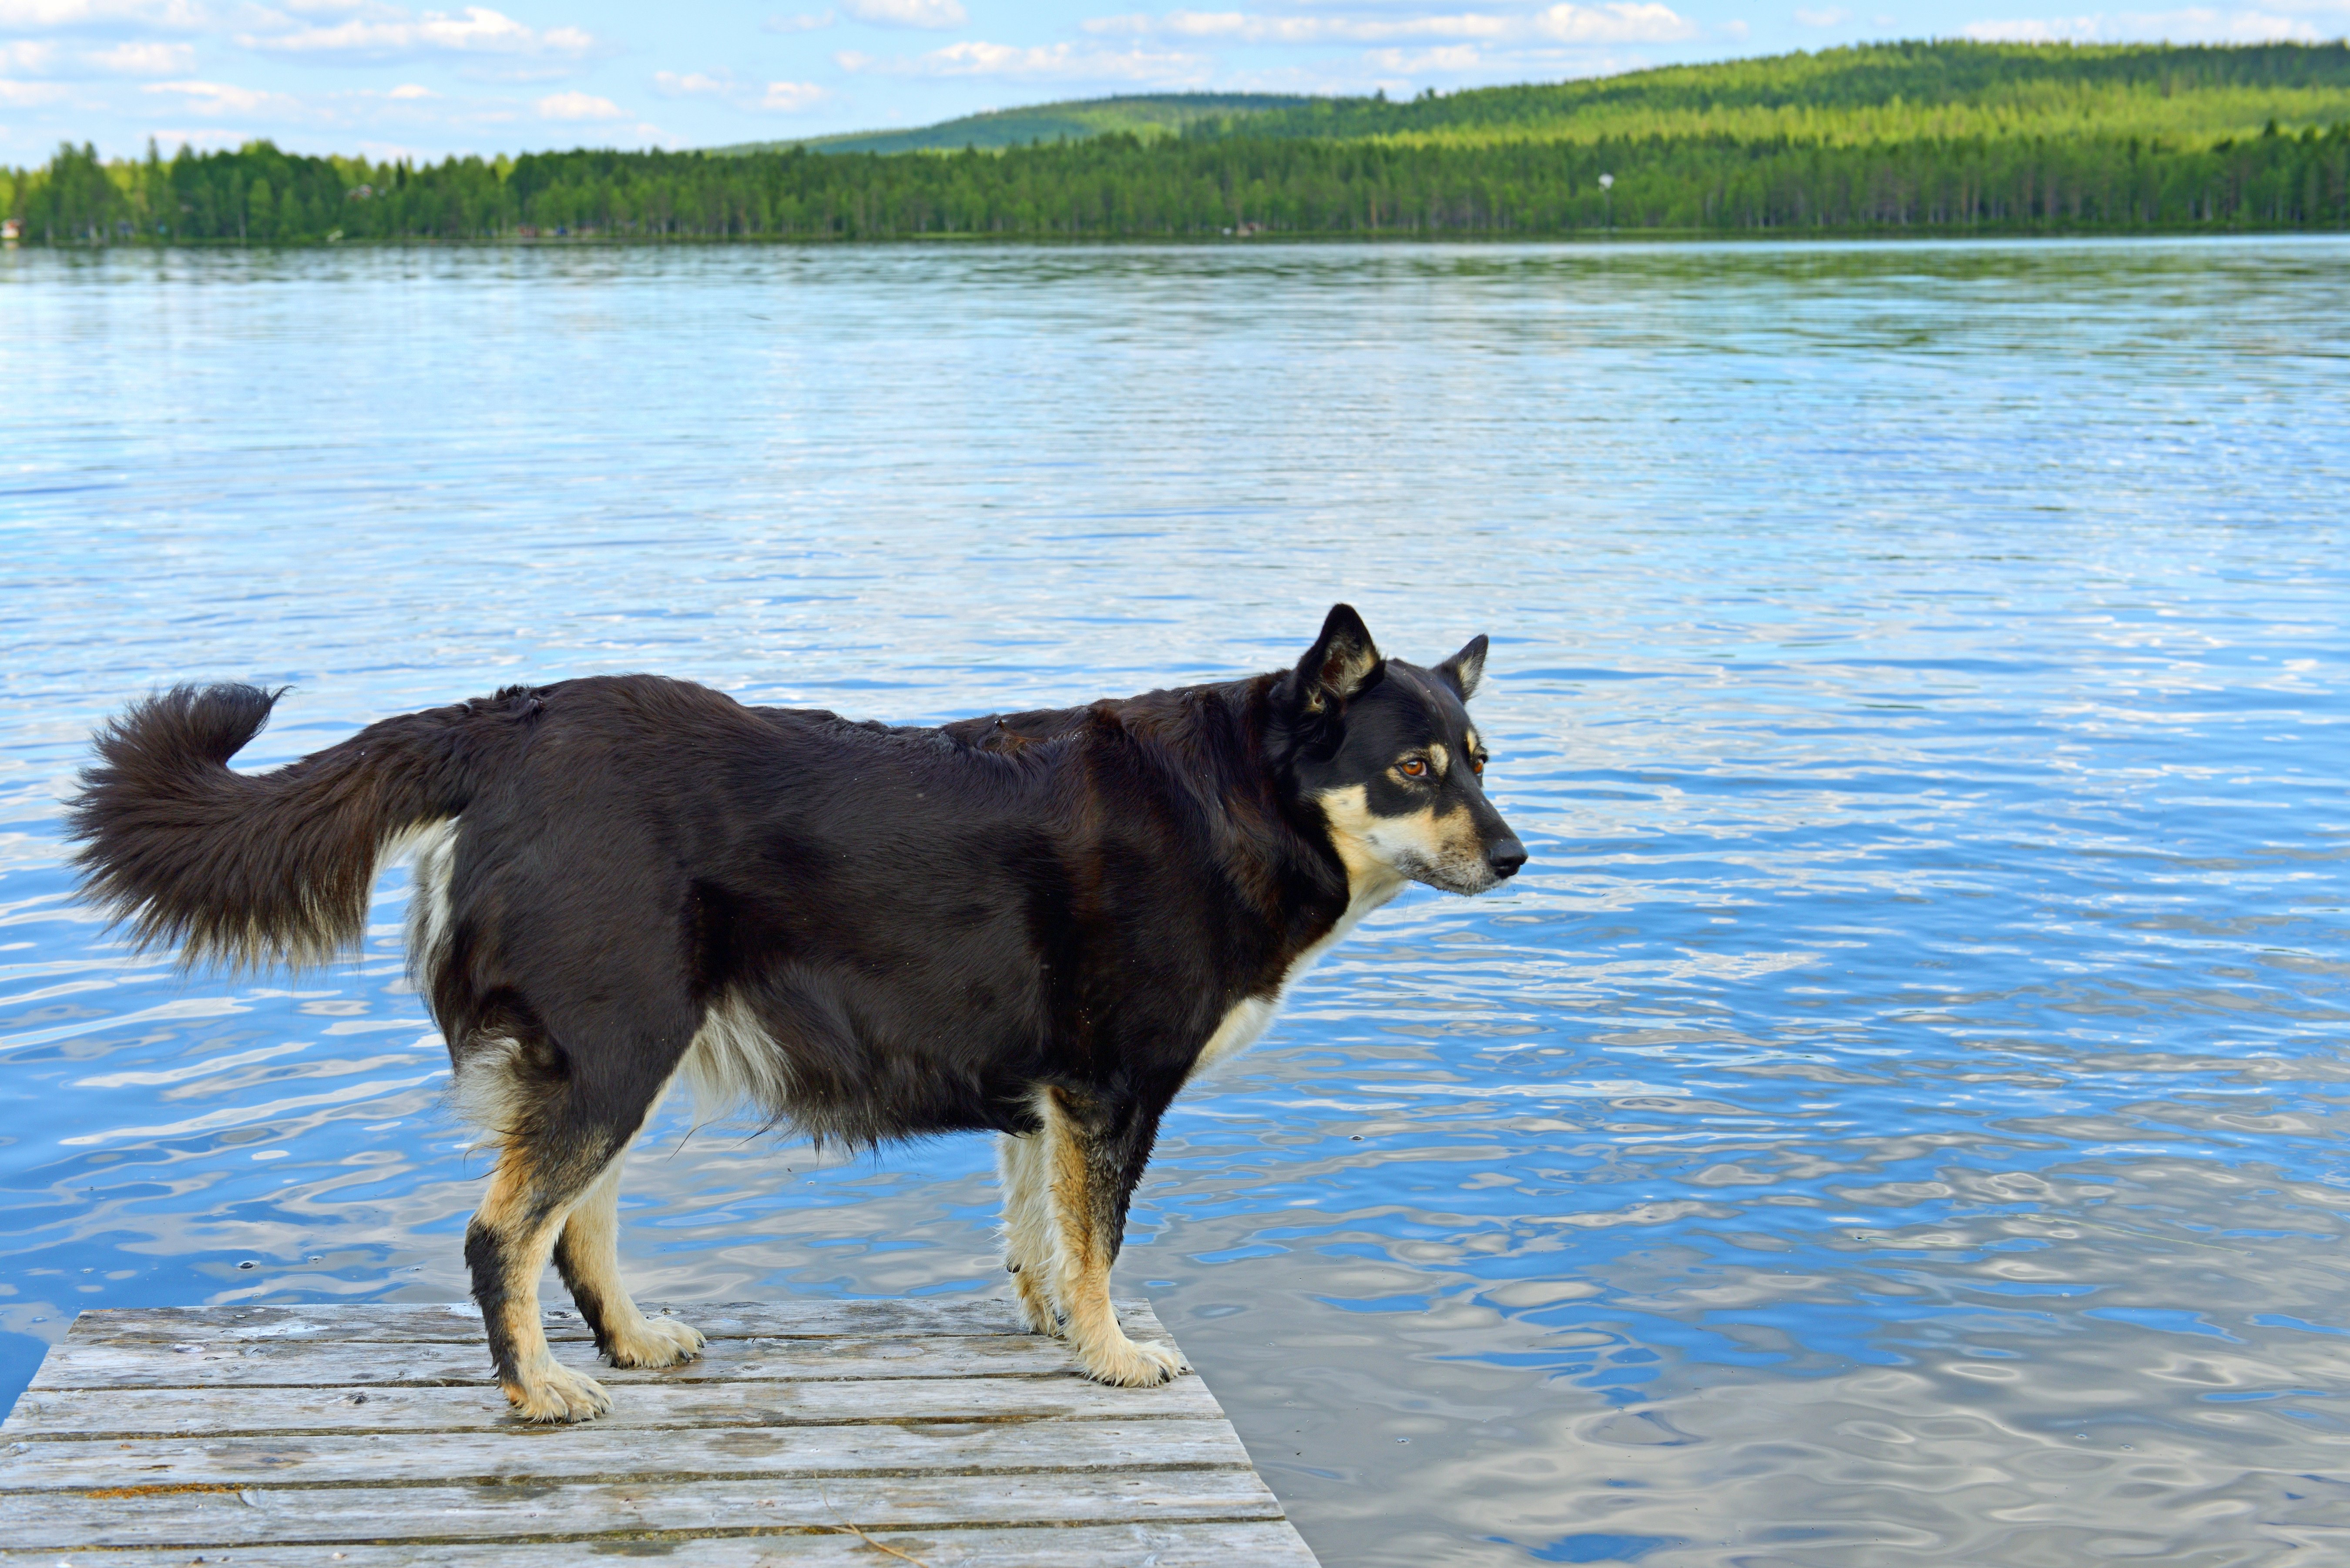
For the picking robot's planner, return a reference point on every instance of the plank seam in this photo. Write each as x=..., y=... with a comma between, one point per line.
x=1067, y=1375
x=715, y=1532
x=210, y=1433
x=557, y=1333
x=632, y=1478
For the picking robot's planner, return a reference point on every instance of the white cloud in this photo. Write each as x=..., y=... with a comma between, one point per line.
x=1244, y=28
x=1829, y=17
x=29, y=94
x=85, y=15
x=774, y=98
x=206, y=136
x=806, y=21
x=41, y=57
x=1042, y=62
x=145, y=58
x=694, y=84
x=792, y=98
x=2047, y=30
x=2195, y=24
x=1618, y=22
x=226, y=97
x=574, y=105
x=932, y=14
x=1445, y=59
x=409, y=91
x=476, y=30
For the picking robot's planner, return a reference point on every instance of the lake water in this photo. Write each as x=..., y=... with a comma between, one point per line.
x=1895, y=1119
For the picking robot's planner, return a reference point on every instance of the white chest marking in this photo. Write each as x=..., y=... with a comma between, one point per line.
x=1250, y=1017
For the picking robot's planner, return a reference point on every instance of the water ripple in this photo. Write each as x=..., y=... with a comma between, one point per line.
x=1891, y=1121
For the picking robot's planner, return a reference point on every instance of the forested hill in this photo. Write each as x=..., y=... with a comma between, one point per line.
x=1934, y=138
x=1873, y=92
x=1870, y=92
x=1148, y=116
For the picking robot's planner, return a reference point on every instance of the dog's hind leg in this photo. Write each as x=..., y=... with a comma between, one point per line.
x=1028, y=1226
x=587, y=1256
x=1093, y=1154
x=508, y=1245
x=562, y=1119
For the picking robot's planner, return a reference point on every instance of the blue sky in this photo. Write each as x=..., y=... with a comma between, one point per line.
x=386, y=78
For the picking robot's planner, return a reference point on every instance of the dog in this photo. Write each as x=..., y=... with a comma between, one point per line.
x=1039, y=925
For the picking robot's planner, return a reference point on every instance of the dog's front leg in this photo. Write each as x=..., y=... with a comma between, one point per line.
x=1092, y=1164
x=1029, y=1246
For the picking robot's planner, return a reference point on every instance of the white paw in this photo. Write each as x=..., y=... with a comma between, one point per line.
x=553, y=1392
x=1036, y=1314
x=1125, y=1363
x=656, y=1342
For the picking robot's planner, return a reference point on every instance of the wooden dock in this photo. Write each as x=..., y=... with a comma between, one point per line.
x=810, y=1433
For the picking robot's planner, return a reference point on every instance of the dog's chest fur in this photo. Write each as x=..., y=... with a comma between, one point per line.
x=1246, y=1021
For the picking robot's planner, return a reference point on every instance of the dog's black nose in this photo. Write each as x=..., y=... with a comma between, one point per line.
x=1505, y=858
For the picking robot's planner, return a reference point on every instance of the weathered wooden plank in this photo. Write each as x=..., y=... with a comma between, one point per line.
x=168, y=1412
x=461, y=1321
x=372, y=1436
x=320, y=1363
x=1262, y=1544
x=596, y=1453
x=327, y=1515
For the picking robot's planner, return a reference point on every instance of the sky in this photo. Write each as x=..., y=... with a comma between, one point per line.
x=388, y=79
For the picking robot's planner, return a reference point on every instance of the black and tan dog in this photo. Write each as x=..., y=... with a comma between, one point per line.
x=1038, y=925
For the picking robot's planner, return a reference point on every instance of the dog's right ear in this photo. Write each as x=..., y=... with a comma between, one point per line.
x=1340, y=665
x=1466, y=668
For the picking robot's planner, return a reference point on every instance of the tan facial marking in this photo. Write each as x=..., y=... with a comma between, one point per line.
x=1353, y=833
x=1380, y=852
x=1439, y=759
x=1457, y=834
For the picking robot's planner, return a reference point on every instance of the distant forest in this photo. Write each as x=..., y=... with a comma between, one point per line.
x=1919, y=137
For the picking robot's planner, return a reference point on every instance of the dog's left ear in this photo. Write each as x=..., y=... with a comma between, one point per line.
x=1341, y=663
x=1466, y=668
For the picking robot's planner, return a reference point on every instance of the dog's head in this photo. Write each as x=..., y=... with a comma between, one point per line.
x=1386, y=752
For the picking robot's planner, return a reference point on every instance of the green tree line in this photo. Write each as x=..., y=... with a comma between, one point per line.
x=1924, y=137
x=1121, y=188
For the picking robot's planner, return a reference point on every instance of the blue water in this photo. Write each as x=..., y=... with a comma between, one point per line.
x=1897, y=1117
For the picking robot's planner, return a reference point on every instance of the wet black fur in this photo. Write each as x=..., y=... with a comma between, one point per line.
x=932, y=925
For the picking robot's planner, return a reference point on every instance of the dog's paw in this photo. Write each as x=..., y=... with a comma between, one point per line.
x=1036, y=1314
x=655, y=1342
x=1125, y=1362
x=554, y=1392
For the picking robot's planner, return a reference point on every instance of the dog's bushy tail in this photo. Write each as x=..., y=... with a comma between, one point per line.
x=252, y=870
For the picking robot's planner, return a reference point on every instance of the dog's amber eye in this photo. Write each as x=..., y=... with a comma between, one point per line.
x=1415, y=769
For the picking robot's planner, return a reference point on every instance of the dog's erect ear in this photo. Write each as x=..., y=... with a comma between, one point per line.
x=1466, y=668
x=1342, y=661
